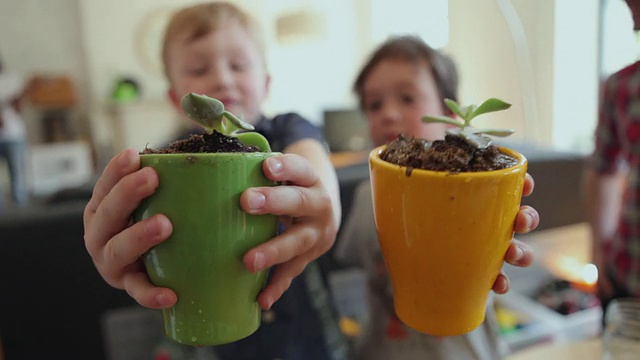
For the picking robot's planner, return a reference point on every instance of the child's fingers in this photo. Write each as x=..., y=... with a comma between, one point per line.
x=529, y=184
x=292, y=243
x=527, y=220
x=120, y=166
x=280, y=281
x=291, y=168
x=144, y=293
x=124, y=249
x=114, y=212
x=501, y=285
x=295, y=201
x=519, y=254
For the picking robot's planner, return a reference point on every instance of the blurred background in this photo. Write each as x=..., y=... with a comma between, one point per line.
x=102, y=59
x=92, y=85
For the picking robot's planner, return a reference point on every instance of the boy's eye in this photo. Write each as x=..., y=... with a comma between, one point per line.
x=197, y=71
x=239, y=65
x=373, y=106
x=407, y=99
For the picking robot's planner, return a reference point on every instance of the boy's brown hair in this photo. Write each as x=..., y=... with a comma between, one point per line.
x=194, y=22
x=416, y=51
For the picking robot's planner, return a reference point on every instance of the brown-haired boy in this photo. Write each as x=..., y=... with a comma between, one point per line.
x=403, y=80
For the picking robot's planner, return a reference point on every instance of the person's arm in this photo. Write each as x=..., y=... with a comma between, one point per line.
x=603, y=182
x=603, y=195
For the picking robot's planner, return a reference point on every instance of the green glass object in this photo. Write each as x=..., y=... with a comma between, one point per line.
x=202, y=260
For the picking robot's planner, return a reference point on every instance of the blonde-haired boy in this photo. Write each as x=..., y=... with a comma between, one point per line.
x=215, y=49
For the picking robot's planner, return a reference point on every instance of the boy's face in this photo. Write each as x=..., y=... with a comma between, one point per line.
x=396, y=95
x=224, y=64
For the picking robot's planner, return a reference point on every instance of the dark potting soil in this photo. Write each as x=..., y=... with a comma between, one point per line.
x=452, y=154
x=204, y=143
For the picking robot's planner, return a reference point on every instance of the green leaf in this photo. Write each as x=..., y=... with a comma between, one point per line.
x=495, y=132
x=466, y=113
x=209, y=113
x=442, y=119
x=490, y=105
x=235, y=123
x=453, y=106
x=255, y=139
x=204, y=110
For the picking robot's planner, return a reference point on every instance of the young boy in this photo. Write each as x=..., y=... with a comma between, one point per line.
x=404, y=80
x=215, y=49
x=13, y=136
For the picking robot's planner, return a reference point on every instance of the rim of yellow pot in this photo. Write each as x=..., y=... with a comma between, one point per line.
x=374, y=158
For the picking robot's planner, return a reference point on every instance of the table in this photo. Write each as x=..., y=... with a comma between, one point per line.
x=563, y=251
x=346, y=158
x=588, y=349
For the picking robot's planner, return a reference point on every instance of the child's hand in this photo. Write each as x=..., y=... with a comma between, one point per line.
x=113, y=243
x=519, y=253
x=307, y=211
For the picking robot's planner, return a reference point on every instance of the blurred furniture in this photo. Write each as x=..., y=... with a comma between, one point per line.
x=52, y=299
x=132, y=333
x=347, y=158
x=140, y=124
x=59, y=165
x=346, y=130
x=589, y=349
x=55, y=97
x=561, y=253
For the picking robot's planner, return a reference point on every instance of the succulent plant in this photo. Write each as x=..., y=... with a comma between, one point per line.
x=473, y=136
x=211, y=115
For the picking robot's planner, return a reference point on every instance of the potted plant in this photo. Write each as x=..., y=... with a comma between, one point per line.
x=200, y=182
x=444, y=213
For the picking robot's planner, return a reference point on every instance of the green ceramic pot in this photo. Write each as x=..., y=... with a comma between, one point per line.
x=202, y=260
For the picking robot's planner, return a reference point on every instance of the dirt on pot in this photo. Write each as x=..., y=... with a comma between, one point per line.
x=452, y=154
x=204, y=143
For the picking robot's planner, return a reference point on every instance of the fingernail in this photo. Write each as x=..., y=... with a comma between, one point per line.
x=162, y=299
x=274, y=165
x=256, y=200
x=529, y=219
x=125, y=158
x=269, y=302
x=519, y=253
x=152, y=230
x=143, y=178
x=258, y=261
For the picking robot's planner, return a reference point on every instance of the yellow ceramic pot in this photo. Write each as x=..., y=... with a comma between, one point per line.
x=443, y=237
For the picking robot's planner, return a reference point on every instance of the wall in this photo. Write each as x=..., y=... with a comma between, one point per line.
x=96, y=42
x=305, y=67
x=495, y=61
x=43, y=37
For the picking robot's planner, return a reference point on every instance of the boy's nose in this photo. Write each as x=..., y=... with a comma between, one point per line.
x=390, y=114
x=221, y=77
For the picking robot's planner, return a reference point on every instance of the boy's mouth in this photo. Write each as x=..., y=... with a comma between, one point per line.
x=228, y=101
x=391, y=137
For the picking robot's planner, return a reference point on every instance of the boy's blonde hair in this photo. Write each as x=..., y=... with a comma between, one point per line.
x=194, y=22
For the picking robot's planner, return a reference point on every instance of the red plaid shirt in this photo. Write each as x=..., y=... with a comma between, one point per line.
x=618, y=139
